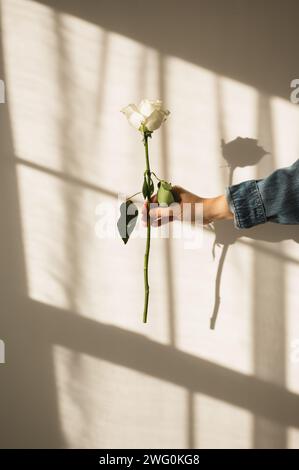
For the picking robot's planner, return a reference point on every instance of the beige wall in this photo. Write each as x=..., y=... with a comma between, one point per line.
x=81, y=369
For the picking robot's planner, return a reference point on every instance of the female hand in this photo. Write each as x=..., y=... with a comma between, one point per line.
x=187, y=207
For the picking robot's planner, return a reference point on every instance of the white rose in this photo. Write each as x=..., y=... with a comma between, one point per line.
x=148, y=114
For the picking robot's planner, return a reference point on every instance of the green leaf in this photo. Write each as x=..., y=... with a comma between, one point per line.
x=145, y=188
x=164, y=194
x=152, y=187
x=127, y=219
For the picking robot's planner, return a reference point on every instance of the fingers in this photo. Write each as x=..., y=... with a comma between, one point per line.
x=159, y=212
x=159, y=215
x=153, y=200
x=144, y=214
x=162, y=221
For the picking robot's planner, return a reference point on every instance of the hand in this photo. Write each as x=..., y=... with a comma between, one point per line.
x=187, y=207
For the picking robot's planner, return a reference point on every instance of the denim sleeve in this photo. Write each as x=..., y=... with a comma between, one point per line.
x=275, y=199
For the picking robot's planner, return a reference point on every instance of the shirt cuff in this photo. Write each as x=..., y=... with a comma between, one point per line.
x=246, y=204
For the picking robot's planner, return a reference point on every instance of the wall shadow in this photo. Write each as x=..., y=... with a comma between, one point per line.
x=137, y=352
x=239, y=152
x=28, y=402
x=226, y=234
x=268, y=320
x=28, y=405
x=269, y=348
x=248, y=40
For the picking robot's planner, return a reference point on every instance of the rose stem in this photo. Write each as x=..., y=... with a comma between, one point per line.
x=148, y=234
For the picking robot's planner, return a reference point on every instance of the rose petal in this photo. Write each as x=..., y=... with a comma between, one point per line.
x=128, y=110
x=157, y=104
x=133, y=116
x=148, y=112
x=155, y=120
x=136, y=119
x=146, y=107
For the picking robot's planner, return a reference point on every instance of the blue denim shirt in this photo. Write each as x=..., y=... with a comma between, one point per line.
x=275, y=199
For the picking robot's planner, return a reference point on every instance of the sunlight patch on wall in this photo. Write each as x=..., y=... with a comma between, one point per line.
x=219, y=424
x=209, y=109
x=192, y=133
x=205, y=109
x=285, y=131
x=237, y=110
x=103, y=405
x=49, y=256
x=292, y=329
x=53, y=78
x=285, y=134
x=293, y=438
x=65, y=90
x=68, y=267
x=67, y=81
x=238, y=104
x=78, y=129
x=230, y=343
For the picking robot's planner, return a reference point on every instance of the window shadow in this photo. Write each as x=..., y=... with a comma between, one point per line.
x=190, y=418
x=247, y=41
x=28, y=404
x=139, y=353
x=238, y=153
x=269, y=353
x=28, y=401
x=269, y=331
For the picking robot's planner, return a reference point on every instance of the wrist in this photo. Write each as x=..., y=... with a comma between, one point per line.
x=216, y=208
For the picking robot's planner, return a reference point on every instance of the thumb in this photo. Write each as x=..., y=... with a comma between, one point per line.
x=164, y=212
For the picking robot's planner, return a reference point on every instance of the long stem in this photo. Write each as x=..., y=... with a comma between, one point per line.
x=148, y=234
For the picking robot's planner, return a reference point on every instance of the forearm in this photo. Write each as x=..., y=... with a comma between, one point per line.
x=216, y=208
